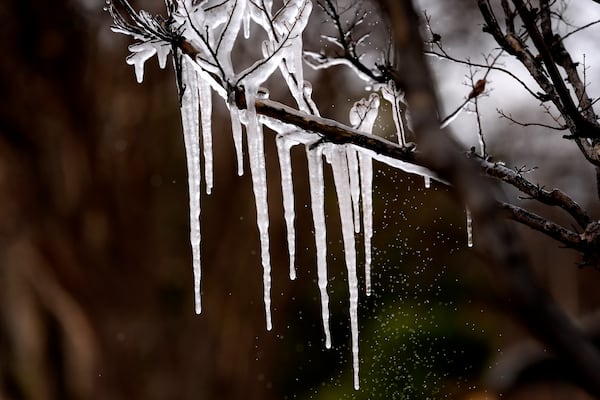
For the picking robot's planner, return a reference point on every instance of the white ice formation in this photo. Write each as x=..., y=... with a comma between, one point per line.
x=212, y=27
x=189, y=116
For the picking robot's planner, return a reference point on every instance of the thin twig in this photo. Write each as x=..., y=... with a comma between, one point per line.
x=525, y=124
x=581, y=28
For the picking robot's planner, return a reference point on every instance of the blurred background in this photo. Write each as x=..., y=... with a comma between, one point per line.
x=96, y=284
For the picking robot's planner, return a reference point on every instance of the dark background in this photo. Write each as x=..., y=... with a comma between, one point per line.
x=95, y=264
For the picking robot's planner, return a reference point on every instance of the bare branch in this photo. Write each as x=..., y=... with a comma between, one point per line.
x=581, y=28
x=525, y=124
x=582, y=128
x=568, y=238
x=348, y=45
x=554, y=197
x=446, y=56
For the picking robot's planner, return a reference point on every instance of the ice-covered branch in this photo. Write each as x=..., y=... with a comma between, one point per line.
x=333, y=131
x=347, y=44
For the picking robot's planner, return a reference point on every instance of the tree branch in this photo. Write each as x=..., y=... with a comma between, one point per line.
x=582, y=127
x=531, y=303
x=541, y=224
x=554, y=197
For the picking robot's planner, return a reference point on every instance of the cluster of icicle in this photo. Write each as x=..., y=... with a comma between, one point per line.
x=212, y=27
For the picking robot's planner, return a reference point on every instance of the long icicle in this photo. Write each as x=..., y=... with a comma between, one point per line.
x=317, y=197
x=236, y=131
x=205, y=118
x=366, y=187
x=353, y=169
x=258, y=171
x=191, y=135
x=287, y=189
x=337, y=158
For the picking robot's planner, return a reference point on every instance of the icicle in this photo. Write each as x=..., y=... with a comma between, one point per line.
x=354, y=185
x=320, y=61
x=362, y=116
x=427, y=181
x=317, y=197
x=404, y=166
x=469, y=228
x=307, y=96
x=206, y=111
x=142, y=51
x=191, y=134
x=287, y=188
x=366, y=187
x=393, y=96
x=236, y=130
x=337, y=158
x=256, y=154
x=162, y=51
x=247, y=16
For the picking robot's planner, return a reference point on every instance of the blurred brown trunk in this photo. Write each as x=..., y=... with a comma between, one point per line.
x=95, y=273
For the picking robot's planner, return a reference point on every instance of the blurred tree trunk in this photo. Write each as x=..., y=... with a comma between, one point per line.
x=95, y=294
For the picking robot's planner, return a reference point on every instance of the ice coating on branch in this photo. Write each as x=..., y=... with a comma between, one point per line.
x=223, y=21
x=200, y=25
x=294, y=58
x=363, y=113
x=307, y=97
x=292, y=71
x=226, y=41
x=333, y=40
x=142, y=51
x=320, y=61
x=191, y=135
x=391, y=94
x=287, y=189
x=216, y=87
x=205, y=117
x=404, y=166
x=317, y=198
x=260, y=12
x=292, y=18
x=337, y=158
x=212, y=14
x=362, y=116
x=366, y=189
x=247, y=16
x=288, y=25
